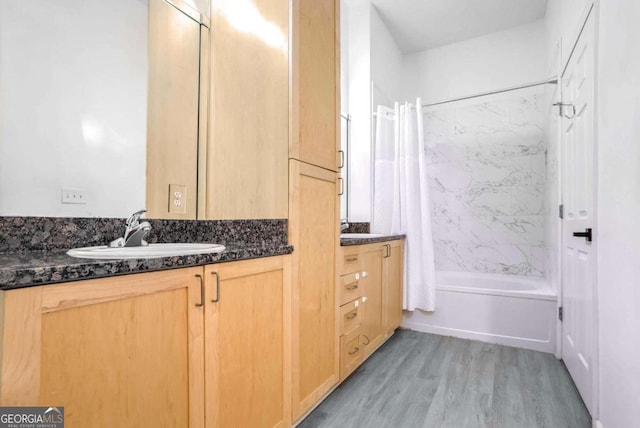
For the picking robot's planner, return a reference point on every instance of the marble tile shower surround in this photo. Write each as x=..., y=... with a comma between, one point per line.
x=29, y=234
x=487, y=176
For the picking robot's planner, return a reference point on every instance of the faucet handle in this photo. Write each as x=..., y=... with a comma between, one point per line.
x=132, y=221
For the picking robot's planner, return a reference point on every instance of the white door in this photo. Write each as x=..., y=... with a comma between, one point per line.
x=579, y=329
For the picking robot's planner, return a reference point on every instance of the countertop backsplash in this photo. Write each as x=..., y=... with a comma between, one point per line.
x=30, y=234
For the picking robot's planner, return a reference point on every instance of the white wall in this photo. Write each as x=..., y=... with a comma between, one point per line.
x=619, y=212
x=73, y=88
x=386, y=61
x=495, y=61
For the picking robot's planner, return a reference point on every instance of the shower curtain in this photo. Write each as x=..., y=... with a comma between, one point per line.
x=401, y=197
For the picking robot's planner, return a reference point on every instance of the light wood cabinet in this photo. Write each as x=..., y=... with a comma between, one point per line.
x=124, y=351
x=373, y=286
x=146, y=349
x=313, y=231
x=247, y=150
x=371, y=278
x=315, y=83
x=393, y=286
x=247, y=344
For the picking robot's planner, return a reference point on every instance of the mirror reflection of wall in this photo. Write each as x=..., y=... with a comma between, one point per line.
x=74, y=107
x=75, y=100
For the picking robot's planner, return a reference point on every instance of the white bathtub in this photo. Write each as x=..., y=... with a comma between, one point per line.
x=506, y=309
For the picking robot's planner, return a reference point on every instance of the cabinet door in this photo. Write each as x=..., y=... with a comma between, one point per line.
x=313, y=231
x=393, y=286
x=247, y=153
x=372, y=280
x=315, y=82
x=124, y=351
x=247, y=343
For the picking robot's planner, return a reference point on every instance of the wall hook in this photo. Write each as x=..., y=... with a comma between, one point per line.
x=562, y=107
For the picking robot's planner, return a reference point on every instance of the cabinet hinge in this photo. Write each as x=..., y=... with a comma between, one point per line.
x=561, y=210
x=560, y=313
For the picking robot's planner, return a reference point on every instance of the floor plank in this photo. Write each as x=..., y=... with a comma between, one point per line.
x=430, y=381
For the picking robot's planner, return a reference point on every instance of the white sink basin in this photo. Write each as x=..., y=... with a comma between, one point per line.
x=150, y=251
x=360, y=235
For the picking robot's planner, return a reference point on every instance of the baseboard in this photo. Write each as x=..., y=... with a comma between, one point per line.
x=518, y=342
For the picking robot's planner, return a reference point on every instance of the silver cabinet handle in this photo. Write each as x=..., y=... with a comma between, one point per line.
x=341, y=165
x=217, y=299
x=341, y=192
x=201, y=291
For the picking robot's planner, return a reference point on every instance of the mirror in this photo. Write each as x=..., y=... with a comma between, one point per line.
x=92, y=95
x=345, y=139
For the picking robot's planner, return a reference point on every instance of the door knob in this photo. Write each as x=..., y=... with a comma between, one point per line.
x=586, y=234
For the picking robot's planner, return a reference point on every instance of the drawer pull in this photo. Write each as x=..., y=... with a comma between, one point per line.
x=355, y=351
x=351, y=259
x=353, y=287
x=351, y=315
x=368, y=341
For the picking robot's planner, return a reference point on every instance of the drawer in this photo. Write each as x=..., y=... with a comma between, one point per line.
x=350, y=287
x=351, y=352
x=350, y=316
x=349, y=260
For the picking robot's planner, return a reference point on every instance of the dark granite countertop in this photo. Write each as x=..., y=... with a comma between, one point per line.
x=19, y=270
x=344, y=242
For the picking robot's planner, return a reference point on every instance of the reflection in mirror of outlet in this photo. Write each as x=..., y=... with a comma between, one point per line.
x=177, y=198
x=73, y=196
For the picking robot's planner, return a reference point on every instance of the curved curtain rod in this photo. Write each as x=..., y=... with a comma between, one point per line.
x=551, y=81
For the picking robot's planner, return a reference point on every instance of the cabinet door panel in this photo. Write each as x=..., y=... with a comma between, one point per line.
x=313, y=227
x=315, y=82
x=124, y=351
x=393, y=287
x=372, y=264
x=246, y=344
x=249, y=115
x=91, y=356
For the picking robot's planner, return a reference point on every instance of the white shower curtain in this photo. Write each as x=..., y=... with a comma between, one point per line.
x=401, y=197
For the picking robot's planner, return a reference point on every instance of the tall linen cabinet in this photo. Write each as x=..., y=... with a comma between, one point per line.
x=314, y=97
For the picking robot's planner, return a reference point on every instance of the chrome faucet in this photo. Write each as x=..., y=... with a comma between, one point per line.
x=135, y=233
x=344, y=225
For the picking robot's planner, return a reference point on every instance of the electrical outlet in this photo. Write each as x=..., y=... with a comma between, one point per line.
x=72, y=195
x=177, y=199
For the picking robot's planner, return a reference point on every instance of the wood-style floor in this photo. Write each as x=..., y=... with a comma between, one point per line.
x=423, y=380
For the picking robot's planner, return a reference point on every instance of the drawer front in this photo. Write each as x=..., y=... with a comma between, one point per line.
x=350, y=287
x=349, y=261
x=351, y=352
x=350, y=316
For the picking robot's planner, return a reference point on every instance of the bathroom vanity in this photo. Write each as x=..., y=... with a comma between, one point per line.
x=369, y=296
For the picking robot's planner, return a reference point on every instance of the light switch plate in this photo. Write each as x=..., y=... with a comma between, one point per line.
x=177, y=199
